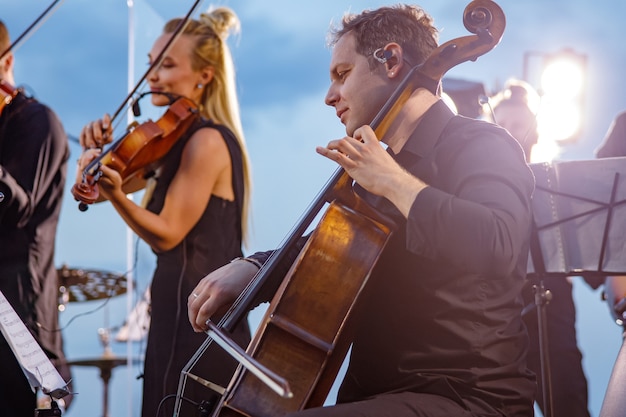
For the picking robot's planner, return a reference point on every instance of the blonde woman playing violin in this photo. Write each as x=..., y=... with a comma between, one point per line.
x=195, y=217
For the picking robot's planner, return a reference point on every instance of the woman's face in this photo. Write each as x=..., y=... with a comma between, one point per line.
x=175, y=74
x=518, y=120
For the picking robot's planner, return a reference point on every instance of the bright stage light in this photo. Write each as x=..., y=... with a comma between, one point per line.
x=558, y=119
x=561, y=80
x=562, y=86
x=563, y=77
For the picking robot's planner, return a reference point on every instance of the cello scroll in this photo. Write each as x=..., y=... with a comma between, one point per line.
x=486, y=20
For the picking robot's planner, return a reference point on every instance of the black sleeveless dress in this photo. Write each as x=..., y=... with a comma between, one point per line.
x=211, y=243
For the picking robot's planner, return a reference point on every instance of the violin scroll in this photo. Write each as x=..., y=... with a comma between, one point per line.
x=7, y=94
x=86, y=192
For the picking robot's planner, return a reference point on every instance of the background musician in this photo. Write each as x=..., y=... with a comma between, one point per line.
x=33, y=165
x=614, y=145
x=514, y=111
x=195, y=217
x=441, y=332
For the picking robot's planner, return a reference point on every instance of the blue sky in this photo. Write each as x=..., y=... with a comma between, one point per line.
x=77, y=62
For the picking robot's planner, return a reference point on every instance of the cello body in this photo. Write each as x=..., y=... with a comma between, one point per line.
x=305, y=334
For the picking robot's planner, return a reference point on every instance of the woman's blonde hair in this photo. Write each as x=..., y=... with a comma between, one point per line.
x=219, y=98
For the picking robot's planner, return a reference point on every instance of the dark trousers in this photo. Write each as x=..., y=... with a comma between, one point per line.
x=16, y=396
x=404, y=404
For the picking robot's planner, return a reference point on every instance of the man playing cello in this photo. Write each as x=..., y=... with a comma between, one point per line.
x=440, y=332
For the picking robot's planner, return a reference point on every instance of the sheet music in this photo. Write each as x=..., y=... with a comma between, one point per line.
x=37, y=367
x=579, y=209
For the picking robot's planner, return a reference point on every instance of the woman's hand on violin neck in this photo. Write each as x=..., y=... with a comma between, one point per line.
x=96, y=134
x=111, y=184
x=83, y=161
x=217, y=291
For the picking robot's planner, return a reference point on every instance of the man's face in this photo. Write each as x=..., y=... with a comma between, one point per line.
x=356, y=92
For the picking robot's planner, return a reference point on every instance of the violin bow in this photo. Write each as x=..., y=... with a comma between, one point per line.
x=53, y=6
x=159, y=59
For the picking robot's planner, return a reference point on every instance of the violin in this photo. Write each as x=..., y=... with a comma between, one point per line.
x=139, y=151
x=7, y=94
x=330, y=272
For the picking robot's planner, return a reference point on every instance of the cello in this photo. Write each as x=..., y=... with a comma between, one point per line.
x=331, y=271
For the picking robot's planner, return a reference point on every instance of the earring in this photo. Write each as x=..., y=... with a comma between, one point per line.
x=199, y=85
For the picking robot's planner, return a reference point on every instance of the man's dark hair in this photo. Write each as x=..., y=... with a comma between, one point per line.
x=407, y=25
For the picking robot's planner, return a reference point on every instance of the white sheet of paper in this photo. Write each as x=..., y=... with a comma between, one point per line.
x=37, y=367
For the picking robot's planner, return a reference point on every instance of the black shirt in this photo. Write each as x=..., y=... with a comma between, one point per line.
x=444, y=307
x=442, y=312
x=33, y=163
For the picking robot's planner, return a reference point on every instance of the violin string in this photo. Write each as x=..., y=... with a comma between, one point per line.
x=157, y=62
x=90, y=169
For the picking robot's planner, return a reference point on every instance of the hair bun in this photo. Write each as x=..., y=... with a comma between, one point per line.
x=222, y=20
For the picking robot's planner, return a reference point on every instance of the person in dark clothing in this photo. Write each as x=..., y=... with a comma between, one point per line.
x=515, y=110
x=613, y=145
x=196, y=204
x=33, y=165
x=440, y=331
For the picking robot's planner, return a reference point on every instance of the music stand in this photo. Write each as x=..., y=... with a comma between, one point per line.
x=579, y=211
